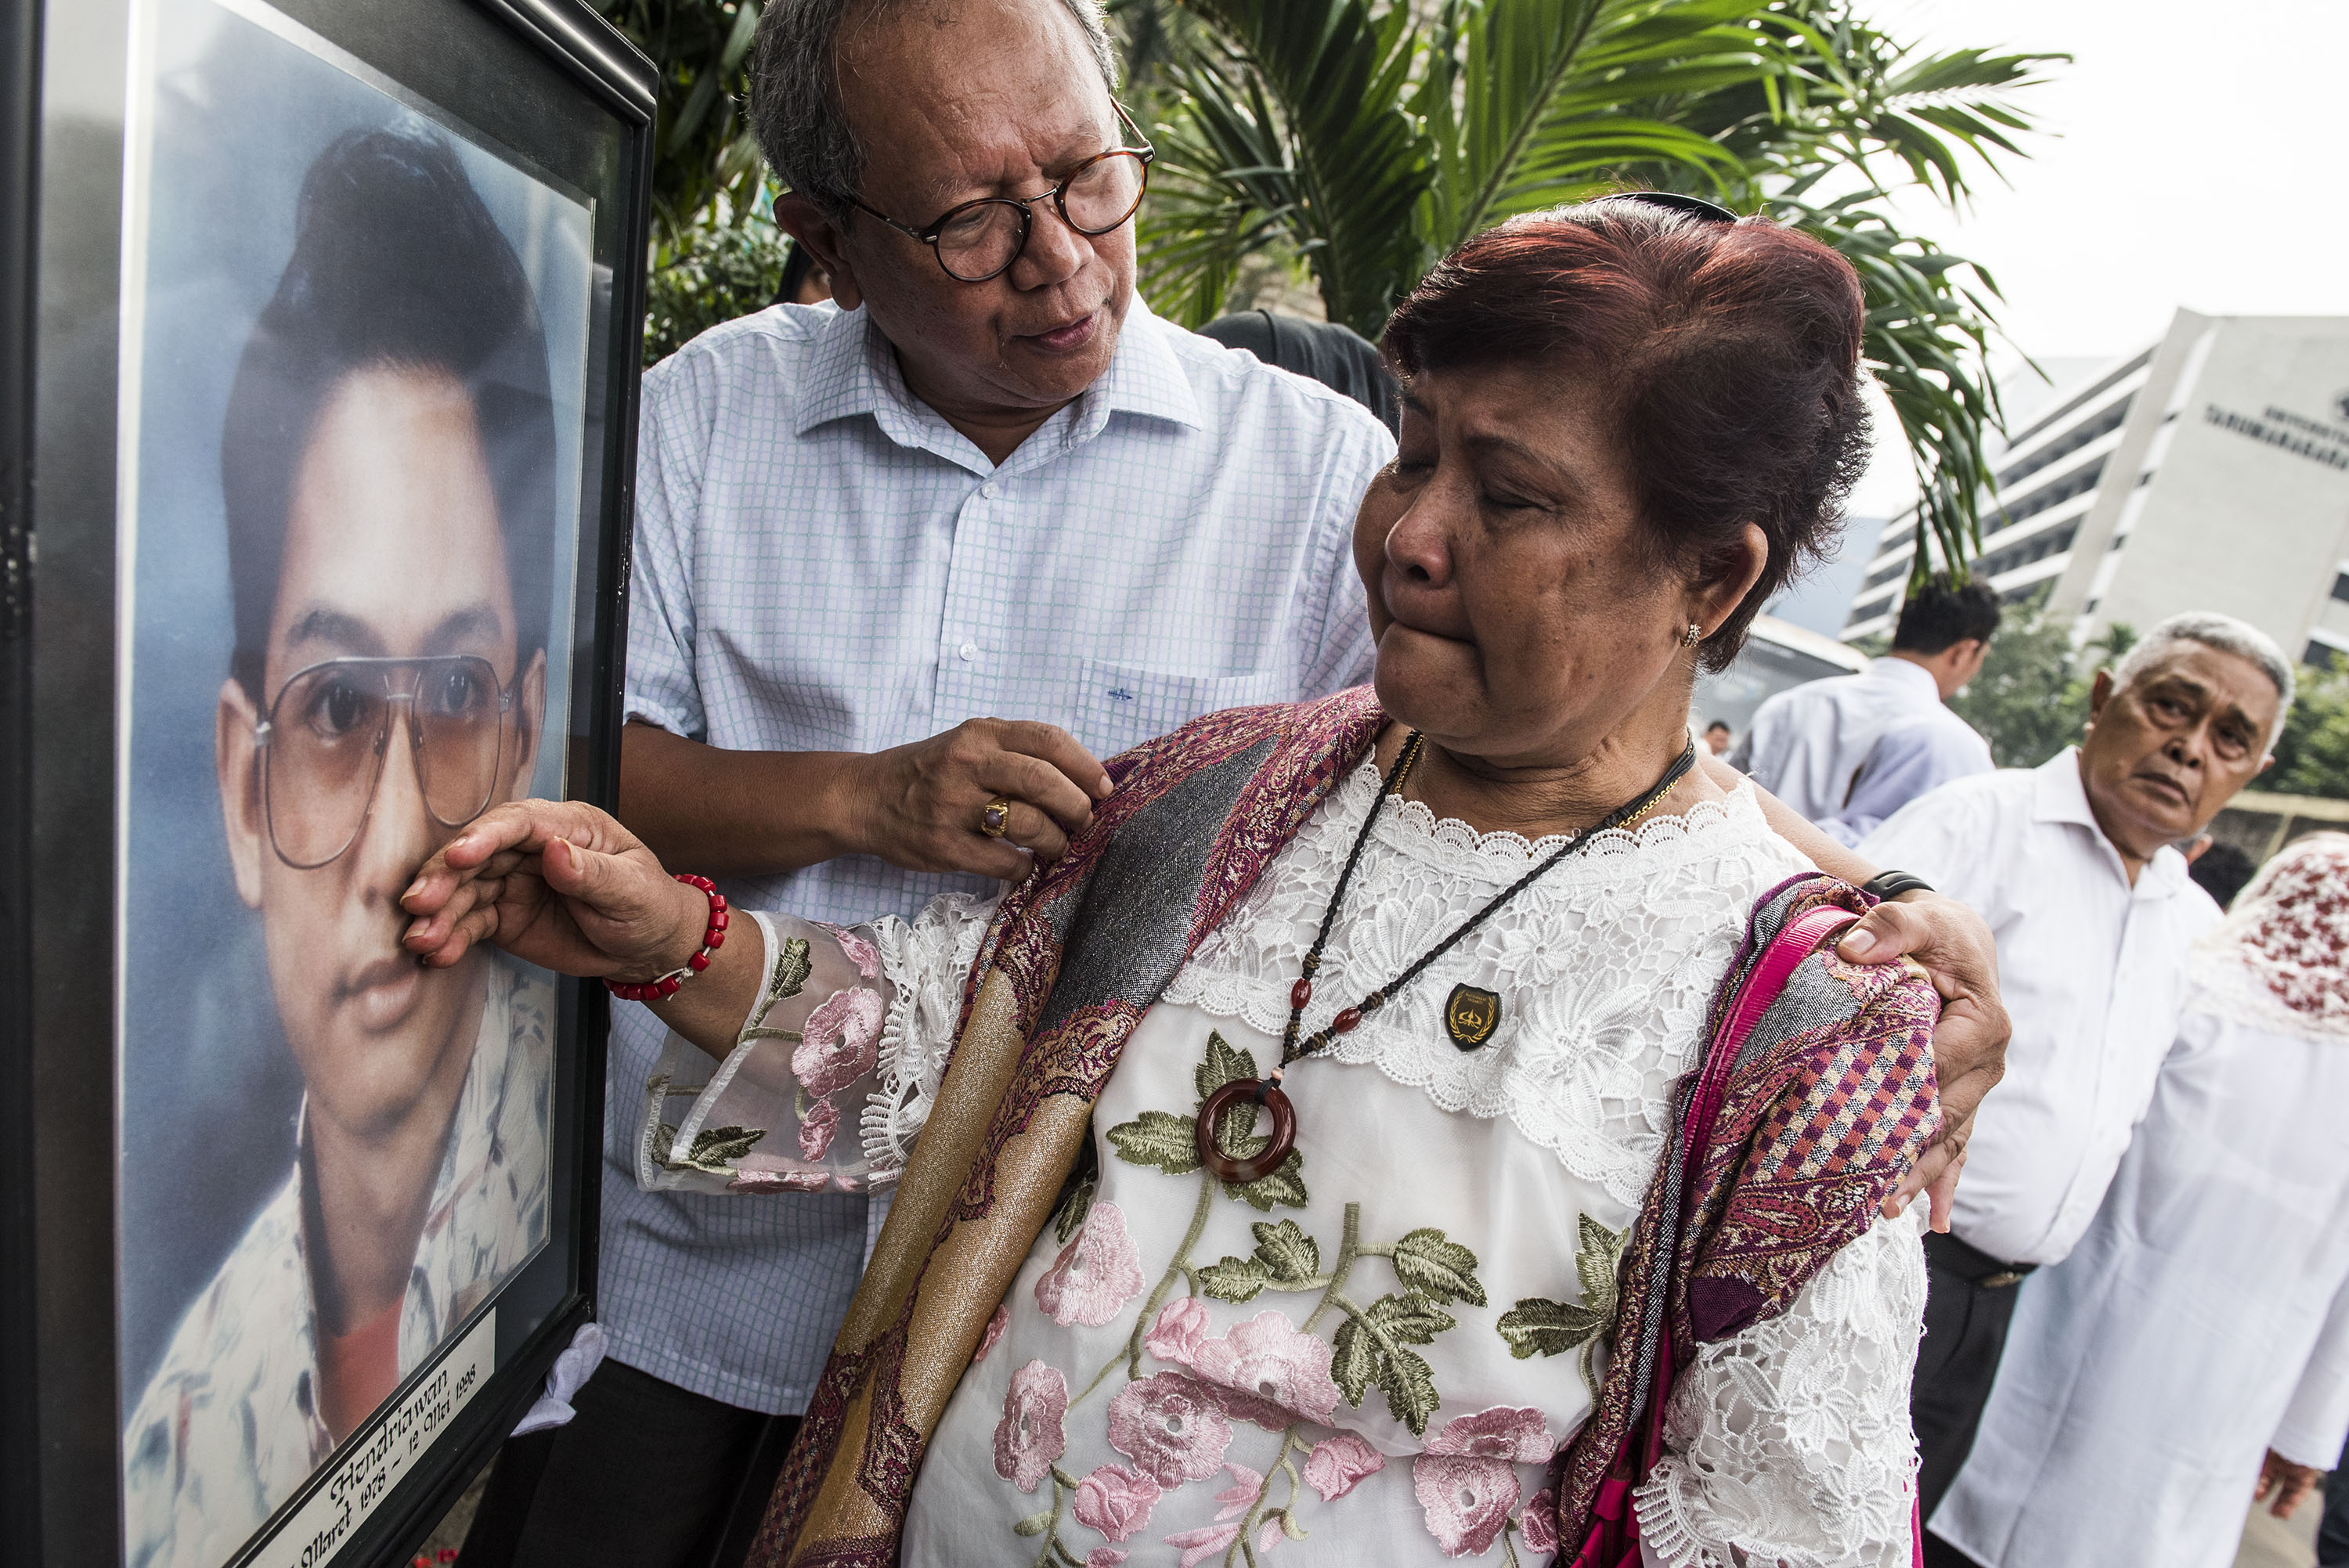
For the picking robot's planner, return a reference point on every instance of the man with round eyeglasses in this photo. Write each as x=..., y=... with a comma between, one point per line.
x=907, y=570
x=388, y=466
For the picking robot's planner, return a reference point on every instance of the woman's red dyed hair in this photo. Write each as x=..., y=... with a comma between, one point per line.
x=1728, y=352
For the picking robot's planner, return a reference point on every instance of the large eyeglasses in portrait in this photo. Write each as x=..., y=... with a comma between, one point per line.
x=357, y=395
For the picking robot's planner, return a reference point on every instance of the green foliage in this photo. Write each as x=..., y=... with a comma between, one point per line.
x=713, y=274
x=2312, y=753
x=2030, y=699
x=706, y=162
x=715, y=254
x=1366, y=138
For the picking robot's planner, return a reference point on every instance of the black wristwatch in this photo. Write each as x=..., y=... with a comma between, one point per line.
x=1892, y=884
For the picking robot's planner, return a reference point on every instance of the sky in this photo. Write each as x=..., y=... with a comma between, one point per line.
x=2193, y=157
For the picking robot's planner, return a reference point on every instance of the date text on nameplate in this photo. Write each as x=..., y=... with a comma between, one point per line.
x=363, y=1478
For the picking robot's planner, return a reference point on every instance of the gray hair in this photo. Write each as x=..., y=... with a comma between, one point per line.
x=795, y=108
x=2227, y=636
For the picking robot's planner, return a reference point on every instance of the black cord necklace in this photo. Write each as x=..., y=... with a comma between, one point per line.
x=1266, y=1092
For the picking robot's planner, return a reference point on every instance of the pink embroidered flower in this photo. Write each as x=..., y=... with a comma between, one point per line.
x=1504, y=1432
x=1538, y=1523
x=1268, y=1535
x=994, y=1332
x=1204, y=1543
x=760, y=1179
x=1181, y=1328
x=1030, y=1436
x=1115, y=1501
x=1337, y=1465
x=1095, y=1275
x=1103, y=1557
x=1273, y=1371
x=856, y=950
x=1169, y=1425
x=816, y=1128
x=1246, y=1486
x=1466, y=1501
x=840, y=1042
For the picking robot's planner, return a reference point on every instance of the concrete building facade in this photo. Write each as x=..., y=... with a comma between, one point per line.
x=2208, y=473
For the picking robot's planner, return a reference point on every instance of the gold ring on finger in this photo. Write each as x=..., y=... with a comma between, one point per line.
x=995, y=817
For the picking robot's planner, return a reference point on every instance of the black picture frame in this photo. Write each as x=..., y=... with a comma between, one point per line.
x=550, y=80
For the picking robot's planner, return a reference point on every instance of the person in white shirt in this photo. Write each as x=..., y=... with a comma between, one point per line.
x=2071, y=864
x=1849, y=751
x=2194, y=1348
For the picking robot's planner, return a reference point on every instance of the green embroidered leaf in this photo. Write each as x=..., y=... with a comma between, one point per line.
x=1157, y=1138
x=1289, y=1525
x=1539, y=1326
x=1034, y=1524
x=715, y=1147
x=1365, y=1349
x=1439, y=1269
x=1285, y=1186
x=1234, y=1279
x=1289, y=1256
x=1223, y=1065
x=1410, y=1387
x=1353, y=1359
x=1409, y=1318
x=663, y=1140
x=1597, y=1260
x=1076, y=1203
x=790, y=974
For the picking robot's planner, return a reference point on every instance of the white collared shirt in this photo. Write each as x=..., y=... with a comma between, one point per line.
x=2092, y=971
x=1848, y=752
x=823, y=563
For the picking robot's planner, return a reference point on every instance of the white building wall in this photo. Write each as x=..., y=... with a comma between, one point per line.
x=2224, y=487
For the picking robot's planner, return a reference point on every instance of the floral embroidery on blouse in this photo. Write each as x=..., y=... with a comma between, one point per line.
x=1539, y=1326
x=1174, y=1426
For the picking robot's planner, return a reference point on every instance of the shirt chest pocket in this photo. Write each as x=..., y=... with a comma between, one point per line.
x=1120, y=705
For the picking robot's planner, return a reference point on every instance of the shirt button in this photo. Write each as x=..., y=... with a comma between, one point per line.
x=969, y=651
x=987, y=491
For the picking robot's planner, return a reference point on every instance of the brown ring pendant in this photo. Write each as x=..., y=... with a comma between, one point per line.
x=1256, y=1167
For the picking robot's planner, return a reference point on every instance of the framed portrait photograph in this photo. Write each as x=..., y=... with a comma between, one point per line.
x=315, y=485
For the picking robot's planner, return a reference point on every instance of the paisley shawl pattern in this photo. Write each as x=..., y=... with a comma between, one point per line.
x=1832, y=1099
x=1829, y=1104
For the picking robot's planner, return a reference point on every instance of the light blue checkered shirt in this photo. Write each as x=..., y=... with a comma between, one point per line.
x=824, y=564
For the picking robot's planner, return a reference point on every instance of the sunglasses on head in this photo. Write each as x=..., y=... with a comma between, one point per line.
x=1672, y=201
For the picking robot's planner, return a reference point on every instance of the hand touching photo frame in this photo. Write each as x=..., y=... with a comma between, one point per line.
x=333, y=424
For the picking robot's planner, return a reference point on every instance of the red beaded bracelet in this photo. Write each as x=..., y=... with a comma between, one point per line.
x=660, y=988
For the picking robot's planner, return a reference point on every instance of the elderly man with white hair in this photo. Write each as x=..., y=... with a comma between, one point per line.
x=2072, y=865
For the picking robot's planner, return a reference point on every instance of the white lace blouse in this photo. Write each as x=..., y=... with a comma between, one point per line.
x=1371, y=1354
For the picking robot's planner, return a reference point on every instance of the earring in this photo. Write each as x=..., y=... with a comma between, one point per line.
x=1688, y=638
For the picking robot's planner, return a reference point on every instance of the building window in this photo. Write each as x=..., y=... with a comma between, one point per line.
x=2319, y=655
x=2341, y=586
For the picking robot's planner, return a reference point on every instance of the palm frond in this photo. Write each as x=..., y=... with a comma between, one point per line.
x=1927, y=344
x=1331, y=80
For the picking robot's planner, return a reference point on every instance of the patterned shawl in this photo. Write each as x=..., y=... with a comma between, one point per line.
x=1818, y=1126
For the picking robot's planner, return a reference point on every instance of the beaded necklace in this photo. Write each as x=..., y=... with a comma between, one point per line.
x=1266, y=1092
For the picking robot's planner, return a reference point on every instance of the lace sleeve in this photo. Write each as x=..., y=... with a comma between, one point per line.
x=853, y=1026
x=1789, y=1444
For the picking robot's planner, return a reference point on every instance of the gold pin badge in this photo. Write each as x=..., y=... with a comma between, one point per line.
x=1469, y=1015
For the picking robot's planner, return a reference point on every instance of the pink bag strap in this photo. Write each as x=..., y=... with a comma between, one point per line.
x=1795, y=941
